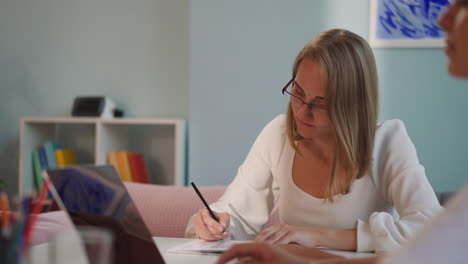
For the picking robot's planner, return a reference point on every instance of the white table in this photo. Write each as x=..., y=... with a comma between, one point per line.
x=164, y=243
x=39, y=253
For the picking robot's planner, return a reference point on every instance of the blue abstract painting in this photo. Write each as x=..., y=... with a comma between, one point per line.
x=407, y=22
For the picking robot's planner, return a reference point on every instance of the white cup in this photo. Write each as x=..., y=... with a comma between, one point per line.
x=86, y=245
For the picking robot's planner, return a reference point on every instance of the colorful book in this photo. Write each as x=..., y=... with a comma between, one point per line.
x=43, y=158
x=124, y=167
x=50, y=148
x=112, y=159
x=120, y=161
x=37, y=169
x=65, y=157
x=138, y=167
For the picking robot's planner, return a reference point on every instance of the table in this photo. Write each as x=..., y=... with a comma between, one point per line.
x=164, y=243
x=39, y=253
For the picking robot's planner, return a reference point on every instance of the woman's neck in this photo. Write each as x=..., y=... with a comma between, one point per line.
x=324, y=149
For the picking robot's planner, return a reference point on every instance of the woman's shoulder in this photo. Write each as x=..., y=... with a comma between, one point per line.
x=391, y=125
x=276, y=128
x=278, y=121
x=272, y=139
x=390, y=130
x=393, y=145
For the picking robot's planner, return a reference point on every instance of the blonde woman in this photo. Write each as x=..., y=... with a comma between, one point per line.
x=337, y=176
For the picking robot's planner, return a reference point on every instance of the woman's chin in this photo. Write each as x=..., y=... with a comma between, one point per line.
x=307, y=133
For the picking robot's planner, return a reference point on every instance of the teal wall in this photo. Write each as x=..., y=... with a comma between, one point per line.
x=136, y=52
x=241, y=56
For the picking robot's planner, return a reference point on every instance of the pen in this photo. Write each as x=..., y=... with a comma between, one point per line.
x=204, y=202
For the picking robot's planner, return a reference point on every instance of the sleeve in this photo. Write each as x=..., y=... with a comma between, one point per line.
x=251, y=196
x=402, y=182
x=443, y=240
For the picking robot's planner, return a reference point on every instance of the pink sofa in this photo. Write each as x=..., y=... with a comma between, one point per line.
x=165, y=210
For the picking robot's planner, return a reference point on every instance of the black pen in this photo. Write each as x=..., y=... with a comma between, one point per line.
x=204, y=202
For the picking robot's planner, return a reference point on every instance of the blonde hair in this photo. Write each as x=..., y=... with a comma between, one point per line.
x=348, y=65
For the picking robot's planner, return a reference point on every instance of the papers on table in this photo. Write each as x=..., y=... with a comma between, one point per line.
x=200, y=246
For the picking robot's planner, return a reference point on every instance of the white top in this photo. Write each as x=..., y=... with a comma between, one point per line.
x=396, y=179
x=444, y=240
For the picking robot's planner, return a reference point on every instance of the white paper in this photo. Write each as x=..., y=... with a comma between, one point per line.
x=200, y=246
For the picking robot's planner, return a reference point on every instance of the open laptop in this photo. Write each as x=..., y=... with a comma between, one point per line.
x=95, y=196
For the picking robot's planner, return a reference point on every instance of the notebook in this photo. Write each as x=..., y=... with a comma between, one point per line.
x=96, y=196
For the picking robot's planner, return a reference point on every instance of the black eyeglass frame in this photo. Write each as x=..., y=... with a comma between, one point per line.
x=285, y=90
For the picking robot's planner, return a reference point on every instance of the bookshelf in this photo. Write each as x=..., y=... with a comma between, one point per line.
x=161, y=141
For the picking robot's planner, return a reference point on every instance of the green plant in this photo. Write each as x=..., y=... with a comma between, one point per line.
x=2, y=184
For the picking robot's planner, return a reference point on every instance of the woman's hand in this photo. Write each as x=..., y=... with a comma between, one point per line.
x=260, y=253
x=209, y=229
x=285, y=234
x=276, y=254
x=340, y=239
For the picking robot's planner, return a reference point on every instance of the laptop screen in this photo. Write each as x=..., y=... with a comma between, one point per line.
x=95, y=196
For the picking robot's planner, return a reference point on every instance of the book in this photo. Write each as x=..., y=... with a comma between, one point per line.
x=112, y=160
x=124, y=167
x=37, y=169
x=50, y=148
x=119, y=159
x=65, y=157
x=43, y=158
x=138, y=167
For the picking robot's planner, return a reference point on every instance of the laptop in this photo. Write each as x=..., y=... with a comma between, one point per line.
x=95, y=196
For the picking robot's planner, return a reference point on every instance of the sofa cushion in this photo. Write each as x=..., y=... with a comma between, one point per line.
x=167, y=209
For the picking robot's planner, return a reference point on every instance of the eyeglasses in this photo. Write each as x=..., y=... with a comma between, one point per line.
x=297, y=101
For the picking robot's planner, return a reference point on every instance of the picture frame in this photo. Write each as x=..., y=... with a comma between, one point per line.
x=406, y=23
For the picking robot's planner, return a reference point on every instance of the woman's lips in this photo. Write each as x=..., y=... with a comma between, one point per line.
x=305, y=124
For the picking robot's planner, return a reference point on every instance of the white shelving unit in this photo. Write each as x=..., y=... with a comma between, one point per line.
x=161, y=141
